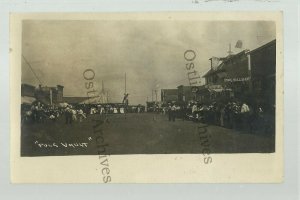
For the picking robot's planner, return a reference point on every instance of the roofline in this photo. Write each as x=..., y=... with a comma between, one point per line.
x=225, y=59
x=206, y=73
x=263, y=46
x=240, y=53
x=27, y=84
x=184, y=86
x=213, y=72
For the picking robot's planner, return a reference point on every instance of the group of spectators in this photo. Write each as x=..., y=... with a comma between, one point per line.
x=39, y=112
x=233, y=115
x=111, y=109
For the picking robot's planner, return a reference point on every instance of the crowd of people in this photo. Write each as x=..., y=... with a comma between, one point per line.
x=233, y=115
x=39, y=112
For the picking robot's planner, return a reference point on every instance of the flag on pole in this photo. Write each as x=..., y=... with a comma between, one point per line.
x=239, y=44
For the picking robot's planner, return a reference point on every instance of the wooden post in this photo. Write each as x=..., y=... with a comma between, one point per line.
x=249, y=72
x=125, y=82
x=51, y=96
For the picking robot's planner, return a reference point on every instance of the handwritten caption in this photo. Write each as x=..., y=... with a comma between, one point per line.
x=62, y=144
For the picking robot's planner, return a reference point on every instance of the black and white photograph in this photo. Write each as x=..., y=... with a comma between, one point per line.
x=122, y=87
x=117, y=98
x=149, y=99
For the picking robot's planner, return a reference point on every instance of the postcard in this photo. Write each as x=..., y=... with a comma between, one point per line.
x=167, y=97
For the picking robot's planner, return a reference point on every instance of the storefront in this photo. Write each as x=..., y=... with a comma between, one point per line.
x=209, y=93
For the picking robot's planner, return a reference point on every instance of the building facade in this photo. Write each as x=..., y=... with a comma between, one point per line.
x=27, y=94
x=44, y=94
x=263, y=73
x=185, y=93
x=247, y=76
x=27, y=90
x=169, y=95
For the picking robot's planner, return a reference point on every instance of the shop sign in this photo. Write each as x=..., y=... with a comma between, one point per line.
x=237, y=79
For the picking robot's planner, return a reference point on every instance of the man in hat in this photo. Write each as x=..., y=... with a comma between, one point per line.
x=68, y=115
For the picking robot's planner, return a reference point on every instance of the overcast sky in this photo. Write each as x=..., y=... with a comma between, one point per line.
x=150, y=52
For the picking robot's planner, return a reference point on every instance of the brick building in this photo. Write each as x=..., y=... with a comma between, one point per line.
x=47, y=94
x=43, y=94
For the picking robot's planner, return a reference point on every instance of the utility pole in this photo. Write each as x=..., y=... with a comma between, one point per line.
x=50, y=96
x=125, y=108
x=125, y=82
x=249, y=72
x=229, y=51
x=152, y=95
x=102, y=86
x=106, y=96
x=155, y=95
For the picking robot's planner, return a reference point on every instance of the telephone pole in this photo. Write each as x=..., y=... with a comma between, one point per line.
x=152, y=95
x=125, y=82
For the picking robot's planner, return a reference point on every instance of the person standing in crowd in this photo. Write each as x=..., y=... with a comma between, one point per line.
x=102, y=110
x=138, y=109
x=85, y=109
x=216, y=114
x=227, y=116
x=245, y=111
x=194, y=110
x=170, y=112
x=245, y=108
x=34, y=113
x=222, y=115
x=234, y=115
x=115, y=110
x=52, y=117
x=68, y=115
x=74, y=117
x=122, y=110
x=173, y=112
x=81, y=115
x=38, y=112
x=183, y=111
